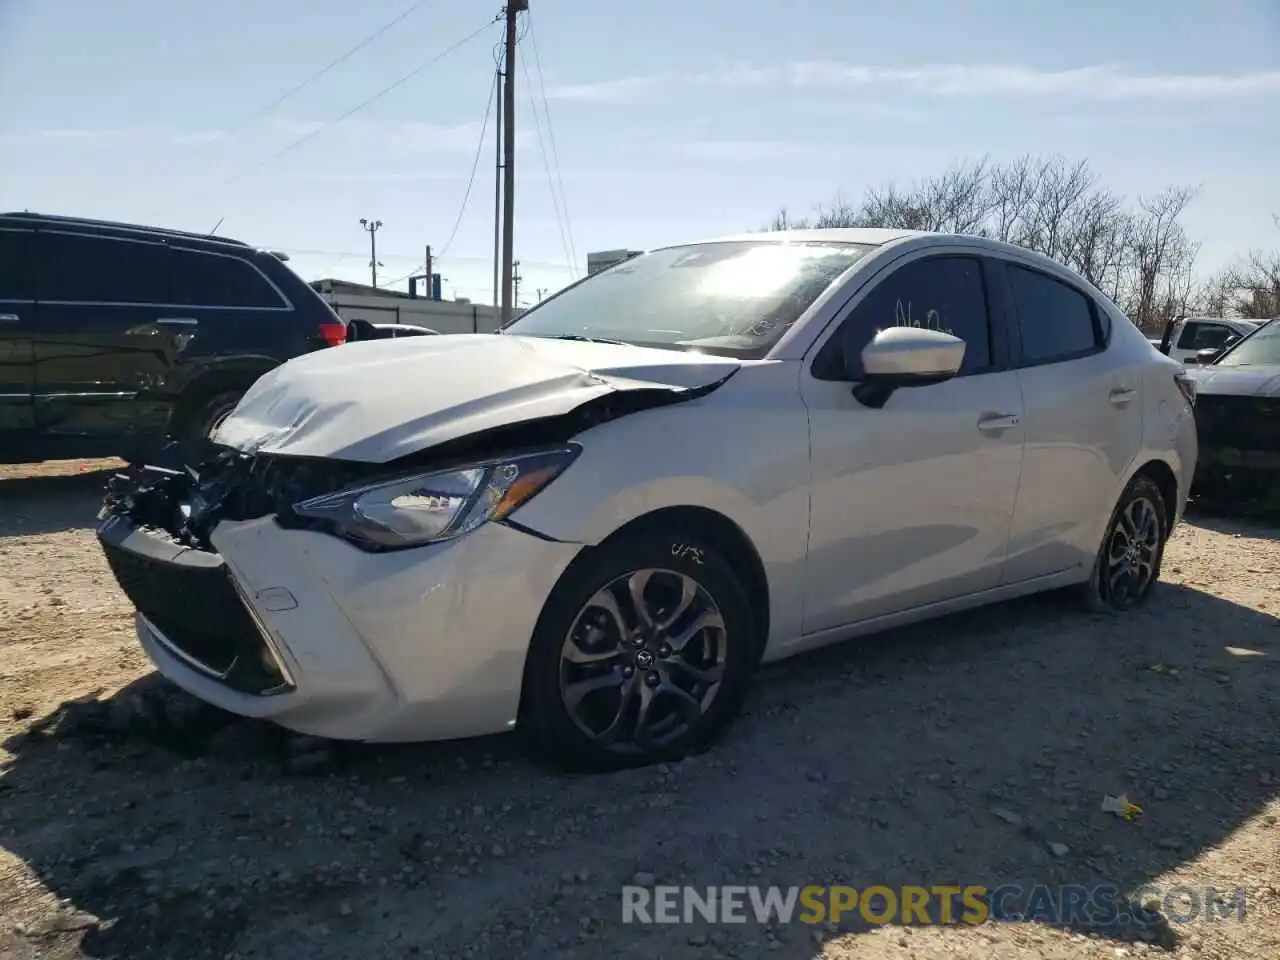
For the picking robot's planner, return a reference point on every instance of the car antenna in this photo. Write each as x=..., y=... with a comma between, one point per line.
x=216, y=226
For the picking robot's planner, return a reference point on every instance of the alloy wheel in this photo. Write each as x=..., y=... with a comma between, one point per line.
x=643, y=660
x=1132, y=553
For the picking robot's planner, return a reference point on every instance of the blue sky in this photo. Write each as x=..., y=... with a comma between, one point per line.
x=670, y=120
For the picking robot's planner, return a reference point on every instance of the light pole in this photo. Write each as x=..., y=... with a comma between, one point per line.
x=371, y=227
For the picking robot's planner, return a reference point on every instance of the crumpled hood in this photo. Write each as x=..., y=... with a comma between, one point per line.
x=1259, y=381
x=377, y=400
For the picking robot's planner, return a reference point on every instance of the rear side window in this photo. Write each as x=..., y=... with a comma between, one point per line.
x=216, y=280
x=17, y=263
x=81, y=269
x=1057, y=322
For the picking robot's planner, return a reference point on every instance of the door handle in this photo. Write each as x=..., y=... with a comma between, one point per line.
x=177, y=322
x=1122, y=395
x=8, y=318
x=997, y=422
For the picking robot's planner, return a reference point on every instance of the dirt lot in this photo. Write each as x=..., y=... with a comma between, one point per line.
x=135, y=823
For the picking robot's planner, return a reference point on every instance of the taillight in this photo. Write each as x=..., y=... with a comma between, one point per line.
x=333, y=334
x=1187, y=385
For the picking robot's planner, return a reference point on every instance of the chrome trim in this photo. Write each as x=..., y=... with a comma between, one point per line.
x=155, y=306
x=178, y=322
x=181, y=654
x=9, y=318
x=90, y=394
x=268, y=640
x=15, y=396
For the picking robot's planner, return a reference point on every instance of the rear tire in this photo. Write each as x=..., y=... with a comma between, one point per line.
x=611, y=685
x=1127, y=566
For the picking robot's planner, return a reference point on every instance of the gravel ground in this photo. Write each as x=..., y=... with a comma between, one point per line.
x=136, y=823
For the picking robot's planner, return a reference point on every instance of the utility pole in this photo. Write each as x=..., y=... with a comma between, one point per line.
x=497, y=189
x=514, y=9
x=371, y=228
x=515, y=283
x=541, y=292
x=430, y=283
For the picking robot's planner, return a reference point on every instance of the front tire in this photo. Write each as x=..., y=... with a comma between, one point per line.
x=642, y=656
x=1128, y=562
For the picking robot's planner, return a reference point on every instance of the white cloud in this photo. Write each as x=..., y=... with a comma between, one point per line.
x=607, y=91
x=1099, y=82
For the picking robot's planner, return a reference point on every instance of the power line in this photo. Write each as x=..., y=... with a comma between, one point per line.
x=311, y=135
x=325, y=69
x=546, y=164
x=475, y=164
x=555, y=154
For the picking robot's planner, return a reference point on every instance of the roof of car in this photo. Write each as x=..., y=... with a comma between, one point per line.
x=875, y=236
x=112, y=226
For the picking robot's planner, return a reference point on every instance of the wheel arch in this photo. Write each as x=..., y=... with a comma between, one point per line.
x=1162, y=475
x=735, y=546
x=223, y=378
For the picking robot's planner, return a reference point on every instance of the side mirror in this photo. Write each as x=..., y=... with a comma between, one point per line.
x=899, y=357
x=1207, y=355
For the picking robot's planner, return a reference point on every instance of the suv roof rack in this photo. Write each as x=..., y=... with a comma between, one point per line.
x=117, y=225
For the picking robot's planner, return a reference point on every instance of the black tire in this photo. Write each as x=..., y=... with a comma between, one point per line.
x=563, y=735
x=1113, y=587
x=202, y=422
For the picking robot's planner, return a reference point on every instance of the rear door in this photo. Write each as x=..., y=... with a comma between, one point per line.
x=17, y=329
x=1083, y=422
x=102, y=345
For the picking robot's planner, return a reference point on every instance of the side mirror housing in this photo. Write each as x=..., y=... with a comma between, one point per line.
x=899, y=357
x=1207, y=355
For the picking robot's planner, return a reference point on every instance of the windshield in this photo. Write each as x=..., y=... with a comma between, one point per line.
x=1260, y=347
x=735, y=298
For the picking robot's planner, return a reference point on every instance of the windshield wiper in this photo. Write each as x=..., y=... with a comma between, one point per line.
x=579, y=337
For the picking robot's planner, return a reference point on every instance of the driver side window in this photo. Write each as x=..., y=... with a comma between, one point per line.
x=938, y=293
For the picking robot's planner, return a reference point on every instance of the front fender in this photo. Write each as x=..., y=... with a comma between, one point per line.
x=751, y=467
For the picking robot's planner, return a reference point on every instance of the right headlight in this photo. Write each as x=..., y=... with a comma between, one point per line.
x=424, y=508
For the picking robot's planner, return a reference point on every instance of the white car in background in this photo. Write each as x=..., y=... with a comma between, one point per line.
x=596, y=525
x=1185, y=337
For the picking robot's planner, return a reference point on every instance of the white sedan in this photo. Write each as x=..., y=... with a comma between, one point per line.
x=596, y=525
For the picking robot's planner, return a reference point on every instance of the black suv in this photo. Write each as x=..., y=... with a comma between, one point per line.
x=114, y=337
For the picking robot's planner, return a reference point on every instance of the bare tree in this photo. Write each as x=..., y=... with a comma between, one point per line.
x=1142, y=258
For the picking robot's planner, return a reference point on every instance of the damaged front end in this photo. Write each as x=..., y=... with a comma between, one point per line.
x=159, y=521
x=155, y=534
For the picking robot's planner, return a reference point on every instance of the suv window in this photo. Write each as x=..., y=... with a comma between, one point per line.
x=1199, y=336
x=218, y=280
x=1057, y=322
x=17, y=258
x=938, y=293
x=82, y=269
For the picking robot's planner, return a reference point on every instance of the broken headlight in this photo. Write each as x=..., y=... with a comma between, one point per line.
x=430, y=507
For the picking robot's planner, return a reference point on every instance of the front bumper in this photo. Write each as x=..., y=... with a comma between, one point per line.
x=423, y=644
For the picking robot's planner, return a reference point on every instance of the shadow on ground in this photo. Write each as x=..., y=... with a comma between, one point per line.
x=50, y=504
x=951, y=753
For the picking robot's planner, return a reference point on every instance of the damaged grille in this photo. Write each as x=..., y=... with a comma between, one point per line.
x=197, y=609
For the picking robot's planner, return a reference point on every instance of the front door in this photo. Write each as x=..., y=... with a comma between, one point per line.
x=911, y=503
x=103, y=341
x=17, y=328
